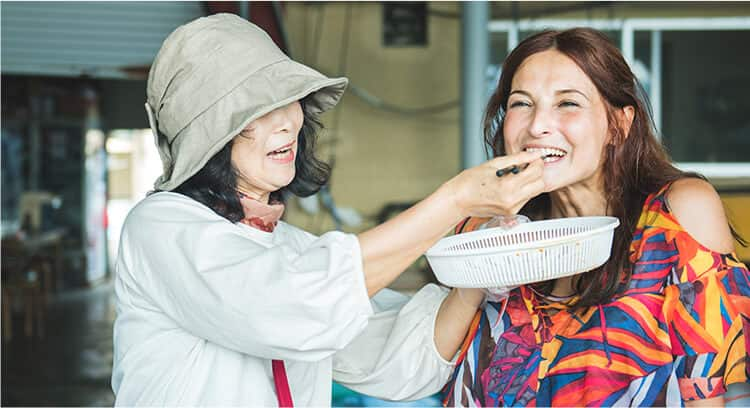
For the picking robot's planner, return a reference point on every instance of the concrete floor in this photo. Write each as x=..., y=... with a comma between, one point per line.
x=71, y=365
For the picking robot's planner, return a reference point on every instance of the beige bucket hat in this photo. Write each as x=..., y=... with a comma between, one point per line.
x=210, y=79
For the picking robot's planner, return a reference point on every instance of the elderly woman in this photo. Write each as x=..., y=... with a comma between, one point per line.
x=219, y=302
x=666, y=320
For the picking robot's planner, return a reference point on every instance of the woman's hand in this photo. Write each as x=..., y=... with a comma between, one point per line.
x=391, y=247
x=454, y=318
x=479, y=192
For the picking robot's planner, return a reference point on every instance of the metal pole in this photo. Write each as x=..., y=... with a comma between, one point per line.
x=656, y=80
x=278, y=14
x=35, y=135
x=474, y=62
x=244, y=10
x=512, y=37
x=627, y=42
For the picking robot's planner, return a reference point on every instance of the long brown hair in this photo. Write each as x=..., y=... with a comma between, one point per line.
x=634, y=166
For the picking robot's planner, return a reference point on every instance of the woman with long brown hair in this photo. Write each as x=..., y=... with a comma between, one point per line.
x=665, y=321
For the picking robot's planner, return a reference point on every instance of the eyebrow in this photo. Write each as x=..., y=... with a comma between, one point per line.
x=564, y=91
x=519, y=91
x=560, y=92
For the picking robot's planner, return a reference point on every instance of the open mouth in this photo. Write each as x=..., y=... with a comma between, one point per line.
x=549, y=154
x=283, y=153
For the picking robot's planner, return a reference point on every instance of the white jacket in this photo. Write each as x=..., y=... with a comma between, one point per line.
x=204, y=305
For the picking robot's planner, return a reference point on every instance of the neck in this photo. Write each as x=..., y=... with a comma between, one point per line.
x=579, y=200
x=262, y=197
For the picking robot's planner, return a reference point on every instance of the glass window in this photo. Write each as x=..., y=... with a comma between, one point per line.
x=706, y=95
x=498, y=47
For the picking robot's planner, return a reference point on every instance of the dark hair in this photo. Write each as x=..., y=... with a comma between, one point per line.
x=215, y=185
x=634, y=166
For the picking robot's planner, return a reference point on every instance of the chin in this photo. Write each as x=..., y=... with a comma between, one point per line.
x=285, y=182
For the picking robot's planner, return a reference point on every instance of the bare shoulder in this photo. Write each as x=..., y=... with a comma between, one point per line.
x=698, y=208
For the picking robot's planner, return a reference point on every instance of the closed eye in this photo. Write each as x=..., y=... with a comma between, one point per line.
x=517, y=104
x=247, y=132
x=566, y=104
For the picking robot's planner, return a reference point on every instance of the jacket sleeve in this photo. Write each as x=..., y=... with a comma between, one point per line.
x=216, y=283
x=395, y=357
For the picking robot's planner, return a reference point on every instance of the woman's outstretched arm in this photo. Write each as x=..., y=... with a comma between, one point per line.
x=389, y=248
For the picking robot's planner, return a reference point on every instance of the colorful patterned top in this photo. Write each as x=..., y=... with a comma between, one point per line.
x=681, y=330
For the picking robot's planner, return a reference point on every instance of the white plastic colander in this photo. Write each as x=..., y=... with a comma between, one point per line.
x=530, y=252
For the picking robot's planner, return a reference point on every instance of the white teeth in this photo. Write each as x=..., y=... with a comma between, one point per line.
x=278, y=152
x=546, y=151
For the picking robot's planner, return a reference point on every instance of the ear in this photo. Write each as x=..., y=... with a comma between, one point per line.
x=625, y=118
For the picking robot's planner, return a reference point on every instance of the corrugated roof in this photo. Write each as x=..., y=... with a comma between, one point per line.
x=92, y=38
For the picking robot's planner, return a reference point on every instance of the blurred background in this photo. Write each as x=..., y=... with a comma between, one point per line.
x=77, y=153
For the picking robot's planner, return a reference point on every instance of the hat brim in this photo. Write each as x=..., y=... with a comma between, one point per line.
x=270, y=88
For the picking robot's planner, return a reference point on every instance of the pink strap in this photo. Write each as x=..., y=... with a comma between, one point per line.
x=283, y=394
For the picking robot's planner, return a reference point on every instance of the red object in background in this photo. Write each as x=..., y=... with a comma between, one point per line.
x=105, y=216
x=261, y=14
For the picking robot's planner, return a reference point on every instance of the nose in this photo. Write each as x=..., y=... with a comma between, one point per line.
x=282, y=122
x=541, y=123
x=285, y=118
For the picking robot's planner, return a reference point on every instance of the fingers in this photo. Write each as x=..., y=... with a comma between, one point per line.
x=515, y=159
x=531, y=190
x=514, y=190
x=528, y=183
x=480, y=192
x=520, y=162
x=533, y=171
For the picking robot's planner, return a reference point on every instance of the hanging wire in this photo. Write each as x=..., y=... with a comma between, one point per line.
x=378, y=103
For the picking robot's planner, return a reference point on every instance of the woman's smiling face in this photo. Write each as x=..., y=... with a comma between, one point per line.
x=555, y=109
x=264, y=152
